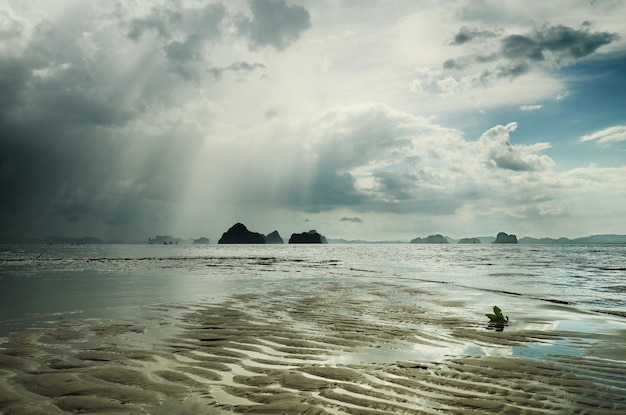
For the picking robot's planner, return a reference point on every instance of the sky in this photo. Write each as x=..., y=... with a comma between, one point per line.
x=376, y=120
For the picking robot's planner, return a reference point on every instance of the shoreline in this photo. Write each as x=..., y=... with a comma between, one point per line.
x=350, y=347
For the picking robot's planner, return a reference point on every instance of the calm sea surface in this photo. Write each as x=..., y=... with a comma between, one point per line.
x=38, y=281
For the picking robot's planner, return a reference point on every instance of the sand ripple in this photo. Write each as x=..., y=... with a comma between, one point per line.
x=349, y=350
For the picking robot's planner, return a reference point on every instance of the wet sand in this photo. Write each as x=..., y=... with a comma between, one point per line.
x=358, y=348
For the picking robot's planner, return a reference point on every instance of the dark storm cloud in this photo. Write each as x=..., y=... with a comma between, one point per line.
x=168, y=22
x=245, y=66
x=396, y=186
x=85, y=138
x=352, y=220
x=185, y=58
x=518, y=54
x=14, y=75
x=370, y=158
x=50, y=85
x=467, y=34
x=50, y=173
x=187, y=33
x=330, y=190
x=78, y=171
x=521, y=47
x=326, y=190
x=364, y=133
x=450, y=64
x=561, y=41
x=513, y=70
x=274, y=23
x=237, y=67
x=160, y=21
x=558, y=43
x=567, y=42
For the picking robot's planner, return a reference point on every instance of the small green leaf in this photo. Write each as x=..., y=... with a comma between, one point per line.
x=497, y=316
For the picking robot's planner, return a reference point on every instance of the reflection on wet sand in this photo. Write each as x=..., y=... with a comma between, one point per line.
x=352, y=349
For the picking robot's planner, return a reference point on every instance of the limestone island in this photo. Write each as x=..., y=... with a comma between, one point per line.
x=310, y=237
x=274, y=238
x=164, y=240
x=469, y=241
x=239, y=234
x=504, y=238
x=432, y=239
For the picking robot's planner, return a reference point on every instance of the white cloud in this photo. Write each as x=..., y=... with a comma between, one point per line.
x=607, y=135
x=500, y=153
x=530, y=107
x=440, y=91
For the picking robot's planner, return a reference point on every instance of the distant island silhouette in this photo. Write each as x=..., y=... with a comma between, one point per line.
x=274, y=238
x=164, y=240
x=241, y=233
x=469, y=241
x=501, y=238
x=504, y=238
x=310, y=237
x=431, y=239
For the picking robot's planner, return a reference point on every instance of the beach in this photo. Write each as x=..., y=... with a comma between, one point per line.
x=333, y=207
x=358, y=346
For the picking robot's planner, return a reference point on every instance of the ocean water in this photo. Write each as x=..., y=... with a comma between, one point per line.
x=94, y=281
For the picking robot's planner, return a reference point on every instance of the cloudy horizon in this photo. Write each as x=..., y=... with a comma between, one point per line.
x=364, y=120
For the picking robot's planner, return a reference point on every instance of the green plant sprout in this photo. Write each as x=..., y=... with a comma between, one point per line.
x=497, y=317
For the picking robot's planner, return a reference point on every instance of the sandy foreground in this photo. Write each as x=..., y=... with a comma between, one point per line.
x=361, y=348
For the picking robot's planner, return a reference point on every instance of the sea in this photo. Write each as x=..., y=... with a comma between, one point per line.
x=38, y=282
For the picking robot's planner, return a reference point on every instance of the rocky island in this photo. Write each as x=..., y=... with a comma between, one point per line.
x=164, y=240
x=239, y=234
x=432, y=239
x=504, y=238
x=310, y=237
x=274, y=238
x=469, y=241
